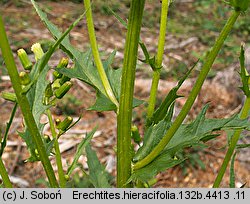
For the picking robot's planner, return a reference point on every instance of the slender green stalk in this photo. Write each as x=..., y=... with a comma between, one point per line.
x=158, y=59
x=24, y=105
x=4, y=142
x=97, y=58
x=4, y=175
x=62, y=180
x=232, y=145
x=3, y=171
x=124, y=119
x=193, y=94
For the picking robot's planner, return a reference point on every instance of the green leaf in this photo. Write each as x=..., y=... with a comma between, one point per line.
x=161, y=112
x=160, y=164
x=232, y=174
x=102, y=103
x=244, y=74
x=123, y=22
x=31, y=145
x=36, y=93
x=152, y=137
x=84, y=69
x=195, y=158
x=49, y=147
x=242, y=146
x=35, y=98
x=200, y=130
x=80, y=149
x=42, y=63
x=97, y=174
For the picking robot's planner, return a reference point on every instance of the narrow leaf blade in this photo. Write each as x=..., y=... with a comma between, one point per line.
x=97, y=174
x=80, y=149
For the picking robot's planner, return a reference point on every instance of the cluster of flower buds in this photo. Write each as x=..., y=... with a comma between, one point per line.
x=58, y=88
x=61, y=84
x=27, y=65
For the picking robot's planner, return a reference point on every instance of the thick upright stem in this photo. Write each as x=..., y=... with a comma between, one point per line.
x=62, y=180
x=232, y=145
x=159, y=58
x=192, y=96
x=124, y=156
x=4, y=175
x=97, y=58
x=24, y=105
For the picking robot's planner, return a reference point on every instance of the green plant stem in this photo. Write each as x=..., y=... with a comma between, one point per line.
x=232, y=145
x=62, y=180
x=193, y=94
x=24, y=105
x=97, y=58
x=124, y=116
x=4, y=175
x=4, y=142
x=158, y=59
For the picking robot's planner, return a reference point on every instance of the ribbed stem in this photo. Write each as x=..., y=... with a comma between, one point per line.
x=124, y=119
x=193, y=94
x=158, y=59
x=232, y=145
x=24, y=105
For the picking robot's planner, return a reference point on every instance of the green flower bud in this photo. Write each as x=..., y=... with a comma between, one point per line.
x=59, y=93
x=57, y=121
x=47, y=138
x=9, y=96
x=135, y=134
x=66, y=177
x=240, y=5
x=23, y=57
x=56, y=84
x=37, y=50
x=63, y=63
x=65, y=123
x=57, y=75
x=24, y=78
x=64, y=79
